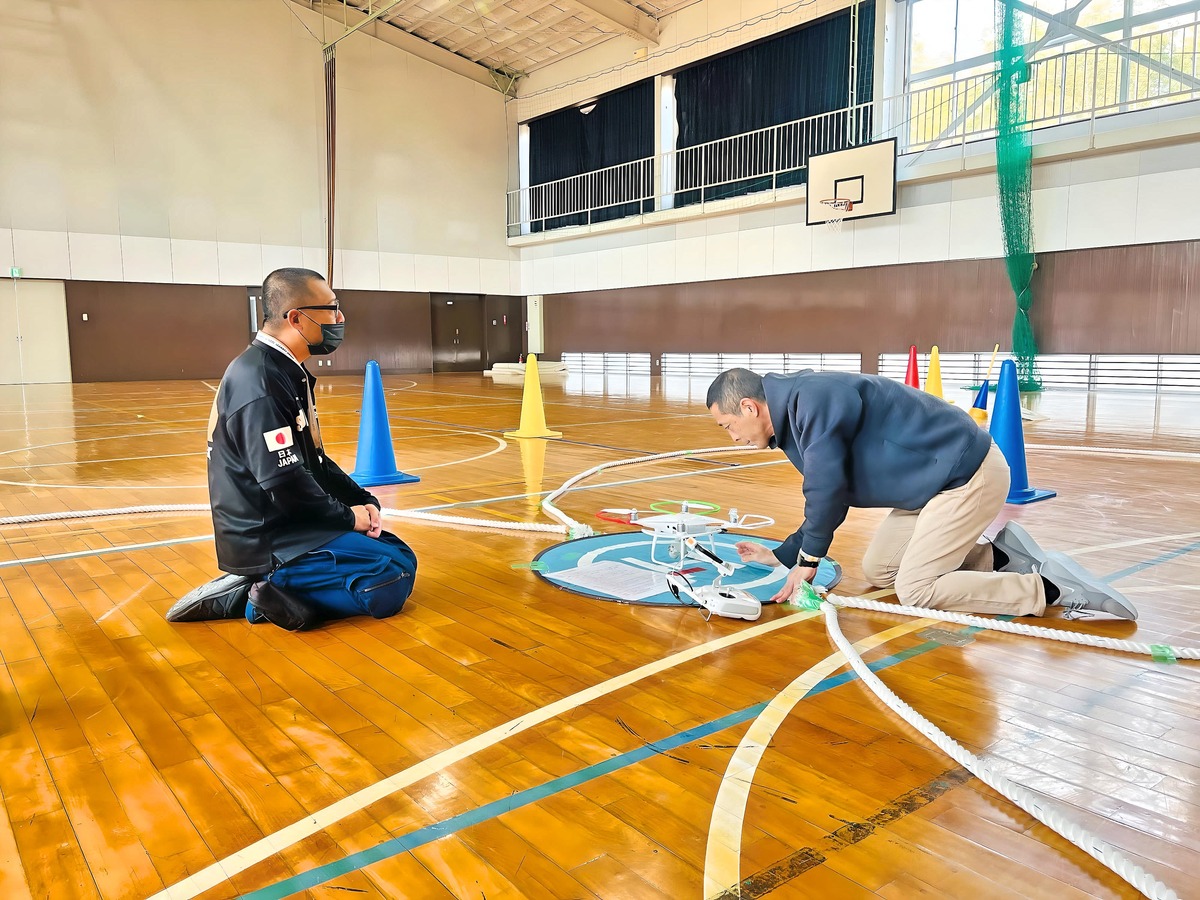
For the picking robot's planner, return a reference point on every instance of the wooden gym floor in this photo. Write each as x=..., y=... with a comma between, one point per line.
x=501, y=738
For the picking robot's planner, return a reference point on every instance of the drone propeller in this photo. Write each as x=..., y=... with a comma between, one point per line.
x=619, y=516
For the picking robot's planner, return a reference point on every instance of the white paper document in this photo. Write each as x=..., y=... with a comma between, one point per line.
x=617, y=579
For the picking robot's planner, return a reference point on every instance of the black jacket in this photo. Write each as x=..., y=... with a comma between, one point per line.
x=866, y=441
x=274, y=495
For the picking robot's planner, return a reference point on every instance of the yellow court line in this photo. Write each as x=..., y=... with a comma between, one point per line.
x=723, y=856
x=213, y=875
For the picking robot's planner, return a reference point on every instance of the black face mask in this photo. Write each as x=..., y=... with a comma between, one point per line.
x=331, y=338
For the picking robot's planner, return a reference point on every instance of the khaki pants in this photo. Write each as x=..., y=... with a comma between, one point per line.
x=931, y=557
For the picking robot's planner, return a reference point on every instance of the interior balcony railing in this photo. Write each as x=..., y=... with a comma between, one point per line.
x=1084, y=85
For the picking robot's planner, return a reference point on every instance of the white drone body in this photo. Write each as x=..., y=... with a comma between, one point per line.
x=730, y=602
x=675, y=529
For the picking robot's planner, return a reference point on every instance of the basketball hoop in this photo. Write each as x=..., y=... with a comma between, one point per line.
x=837, y=205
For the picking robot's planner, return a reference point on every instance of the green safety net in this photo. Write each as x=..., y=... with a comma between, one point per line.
x=1014, y=171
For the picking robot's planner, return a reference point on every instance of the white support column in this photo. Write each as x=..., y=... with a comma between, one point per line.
x=533, y=324
x=524, y=205
x=666, y=129
x=891, y=55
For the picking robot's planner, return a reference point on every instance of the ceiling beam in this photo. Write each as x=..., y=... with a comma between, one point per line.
x=621, y=16
x=401, y=39
x=499, y=25
x=493, y=49
x=586, y=45
x=437, y=12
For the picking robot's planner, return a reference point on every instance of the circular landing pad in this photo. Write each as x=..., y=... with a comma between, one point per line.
x=619, y=567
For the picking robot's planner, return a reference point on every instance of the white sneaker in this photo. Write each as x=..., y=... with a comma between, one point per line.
x=1080, y=589
x=1024, y=554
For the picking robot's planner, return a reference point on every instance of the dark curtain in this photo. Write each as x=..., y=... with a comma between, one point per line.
x=619, y=129
x=799, y=74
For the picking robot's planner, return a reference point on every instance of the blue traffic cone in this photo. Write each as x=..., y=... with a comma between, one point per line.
x=1009, y=435
x=978, y=409
x=376, y=461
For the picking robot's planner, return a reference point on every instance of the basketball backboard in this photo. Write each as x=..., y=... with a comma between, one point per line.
x=861, y=179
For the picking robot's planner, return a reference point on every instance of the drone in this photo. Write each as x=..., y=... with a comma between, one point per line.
x=675, y=530
x=730, y=602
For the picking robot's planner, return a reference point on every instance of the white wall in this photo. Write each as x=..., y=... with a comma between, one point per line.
x=1124, y=192
x=1124, y=180
x=143, y=140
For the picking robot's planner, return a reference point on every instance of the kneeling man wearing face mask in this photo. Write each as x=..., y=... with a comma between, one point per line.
x=302, y=543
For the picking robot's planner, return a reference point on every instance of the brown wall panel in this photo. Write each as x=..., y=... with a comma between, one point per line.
x=1137, y=299
x=153, y=332
x=390, y=327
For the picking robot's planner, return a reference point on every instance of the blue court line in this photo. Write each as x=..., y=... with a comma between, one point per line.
x=1158, y=560
x=430, y=833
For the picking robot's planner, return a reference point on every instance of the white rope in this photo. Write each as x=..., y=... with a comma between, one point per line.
x=1049, y=634
x=97, y=513
x=1033, y=804
x=571, y=528
x=578, y=529
x=1038, y=807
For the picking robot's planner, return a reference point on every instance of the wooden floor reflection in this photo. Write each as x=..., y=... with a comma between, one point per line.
x=139, y=757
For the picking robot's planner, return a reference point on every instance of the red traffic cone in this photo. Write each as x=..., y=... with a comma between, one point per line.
x=911, y=377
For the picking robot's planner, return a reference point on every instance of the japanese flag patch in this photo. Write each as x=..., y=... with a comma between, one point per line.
x=279, y=439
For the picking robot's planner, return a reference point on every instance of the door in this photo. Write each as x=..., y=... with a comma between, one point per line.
x=33, y=328
x=457, y=324
x=10, y=345
x=504, y=319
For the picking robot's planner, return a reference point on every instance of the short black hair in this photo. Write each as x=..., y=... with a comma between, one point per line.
x=283, y=288
x=728, y=389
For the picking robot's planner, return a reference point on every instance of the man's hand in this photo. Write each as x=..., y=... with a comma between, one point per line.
x=797, y=575
x=756, y=553
x=367, y=520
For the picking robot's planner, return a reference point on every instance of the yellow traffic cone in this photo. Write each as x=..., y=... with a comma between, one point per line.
x=533, y=465
x=533, y=416
x=933, y=377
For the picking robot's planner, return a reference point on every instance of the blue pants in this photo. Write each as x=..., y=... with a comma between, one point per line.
x=352, y=575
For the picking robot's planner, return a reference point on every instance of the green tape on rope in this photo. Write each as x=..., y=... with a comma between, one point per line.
x=1162, y=653
x=806, y=597
x=535, y=566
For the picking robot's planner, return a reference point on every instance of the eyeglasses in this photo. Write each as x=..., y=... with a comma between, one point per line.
x=335, y=308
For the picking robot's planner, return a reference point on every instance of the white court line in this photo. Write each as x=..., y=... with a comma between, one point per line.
x=503, y=445
x=1160, y=588
x=123, y=602
x=1114, y=451
x=209, y=386
x=1137, y=542
x=33, y=560
x=594, y=487
x=723, y=855
x=265, y=848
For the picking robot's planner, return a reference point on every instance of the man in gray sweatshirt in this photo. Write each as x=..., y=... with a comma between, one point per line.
x=867, y=441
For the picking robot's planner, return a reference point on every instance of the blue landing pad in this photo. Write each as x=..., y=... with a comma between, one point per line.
x=631, y=549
